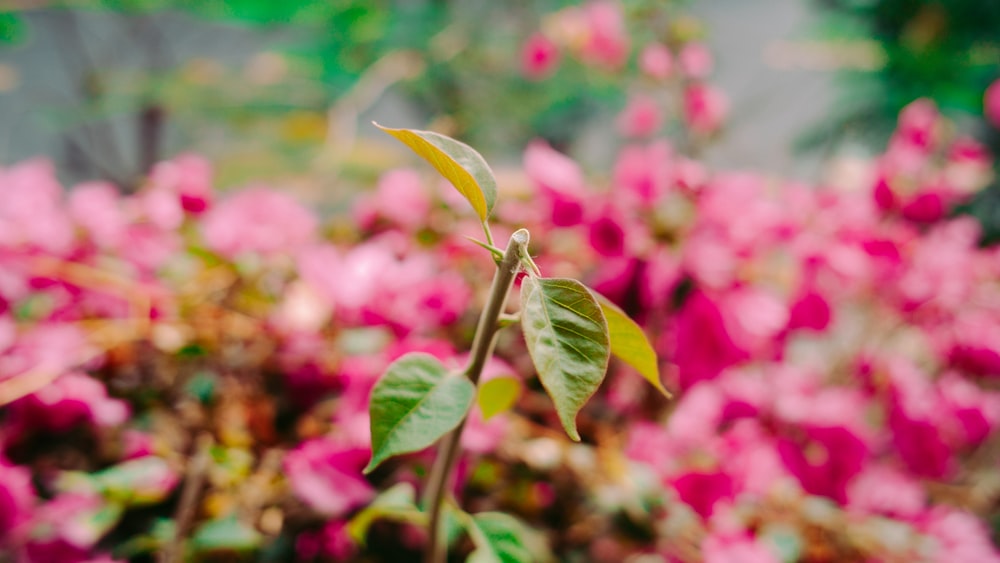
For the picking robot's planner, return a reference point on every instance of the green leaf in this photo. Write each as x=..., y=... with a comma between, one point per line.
x=397, y=503
x=498, y=395
x=567, y=338
x=459, y=163
x=498, y=538
x=414, y=404
x=630, y=345
x=141, y=481
x=226, y=533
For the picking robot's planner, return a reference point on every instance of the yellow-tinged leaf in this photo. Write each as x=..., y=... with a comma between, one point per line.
x=630, y=345
x=459, y=163
x=498, y=395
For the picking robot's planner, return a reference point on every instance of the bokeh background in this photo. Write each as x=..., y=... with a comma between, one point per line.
x=208, y=255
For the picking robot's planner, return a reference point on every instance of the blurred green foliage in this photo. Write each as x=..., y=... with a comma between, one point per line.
x=945, y=50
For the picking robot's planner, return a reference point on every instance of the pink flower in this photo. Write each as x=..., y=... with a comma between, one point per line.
x=539, y=57
x=991, y=103
x=810, y=311
x=66, y=529
x=695, y=60
x=703, y=345
x=960, y=537
x=560, y=180
x=644, y=172
x=96, y=206
x=189, y=178
x=656, y=61
x=607, y=236
x=327, y=477
x=17, y=497
x=705, y=108
x=32, y=213
x=74, y=398
x=401, y=198
x=51, y=348
x=916, y=423
x=925, y=207
x=882, y=489
x=826, y=461
x=703, y=490
x=607, y=41
x=730, y=548
x=917, y=126
x=640, y=118
x=258, y=220
x=160, y=207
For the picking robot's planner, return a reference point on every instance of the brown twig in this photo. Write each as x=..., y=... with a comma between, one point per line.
x=187, y=507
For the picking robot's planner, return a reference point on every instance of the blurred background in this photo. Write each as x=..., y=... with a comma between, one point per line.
x=287, y=89
x=218, y=254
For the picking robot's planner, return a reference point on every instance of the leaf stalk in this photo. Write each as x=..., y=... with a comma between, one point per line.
x=482, y=349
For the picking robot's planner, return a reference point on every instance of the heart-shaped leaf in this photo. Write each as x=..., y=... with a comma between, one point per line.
x=498, y=395
x=567, y=338
x=498, y=538
x=630, y=345
x=416, y=402
x=459, y=163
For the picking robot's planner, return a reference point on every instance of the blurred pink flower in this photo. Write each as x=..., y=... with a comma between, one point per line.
x=643, y=172
x=735, y=548
x=810, y=311
x=991, y=103
x=327, y=477
x=97, y=208
x=75, y=398
x=917, y=126
x=703, y=345
x=916, y=422
x=826, y=461
x=961, y=537
x=705, y=108
x=258, y=220
x=17, y=497
x=32, y=213
x=539, y=57
x=560, y=181
x=882, y=489
x=702, y=490
x=399, y=197
x=640, y=118
x=188, y=177
x=695, y=60
x=50, y=348
x=607, y=41
x=608, y=236
x=159, y=206
x=66, y=529
x=656, y=61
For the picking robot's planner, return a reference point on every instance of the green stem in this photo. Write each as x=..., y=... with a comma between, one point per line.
x=482, y=349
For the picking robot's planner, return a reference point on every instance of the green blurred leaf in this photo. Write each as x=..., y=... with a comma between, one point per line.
x=498, y=395
x=11, y=28
x=225, y=534
x=459, y=163
x=498, y=538
x=630, y=345
x=396, y=503
x=415, y=403
x=567, y=337
x=146, y=480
